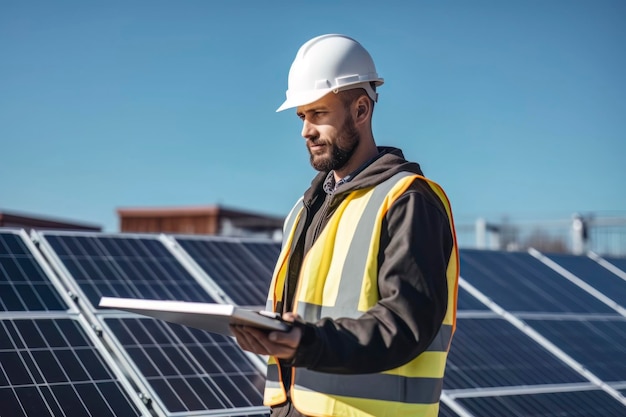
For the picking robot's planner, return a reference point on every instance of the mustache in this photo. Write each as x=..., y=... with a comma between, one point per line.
x=316, y=141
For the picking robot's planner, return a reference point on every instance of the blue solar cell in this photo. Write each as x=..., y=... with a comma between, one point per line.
x=24, y=286
x=466, y=301
x=266, y=252
x=242, y=269
x=595, y=275
x=599, y=345
x=518, y=282
x=493, y=353
x=570, y=404
x=188, y=369
x=130, y=267
x=12, y=244
x=49, y=367
x=618, y=262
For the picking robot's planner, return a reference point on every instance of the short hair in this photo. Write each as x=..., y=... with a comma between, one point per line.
x=349, y=96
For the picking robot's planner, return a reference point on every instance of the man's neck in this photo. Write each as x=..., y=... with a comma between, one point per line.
x=348, y=177
x=358, y=159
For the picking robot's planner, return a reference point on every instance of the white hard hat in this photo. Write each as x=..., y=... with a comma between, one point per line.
x=329, y=63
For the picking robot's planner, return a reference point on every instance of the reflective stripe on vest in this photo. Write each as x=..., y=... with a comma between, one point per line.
x=338, y=278
x=278, y=277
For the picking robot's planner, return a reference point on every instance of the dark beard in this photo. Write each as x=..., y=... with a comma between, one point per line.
x=342, y=150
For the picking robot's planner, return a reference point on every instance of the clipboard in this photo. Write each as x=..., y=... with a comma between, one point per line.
x=214, y=318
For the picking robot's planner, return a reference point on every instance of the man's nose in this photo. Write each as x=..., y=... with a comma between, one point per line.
x=308, y=130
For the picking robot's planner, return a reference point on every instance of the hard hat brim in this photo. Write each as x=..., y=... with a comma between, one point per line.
x=302, y=98
x=307, y=97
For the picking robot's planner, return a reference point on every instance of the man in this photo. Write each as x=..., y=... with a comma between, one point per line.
x=369, y=266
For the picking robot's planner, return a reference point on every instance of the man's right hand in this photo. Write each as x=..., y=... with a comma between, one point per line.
x=282, y=345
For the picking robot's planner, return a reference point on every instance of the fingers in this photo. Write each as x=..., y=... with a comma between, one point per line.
x=247, y=340
x=280, y=344
x=290, y=339
x=290, y=317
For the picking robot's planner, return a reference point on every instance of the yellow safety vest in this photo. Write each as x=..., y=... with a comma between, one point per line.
x=339, y=278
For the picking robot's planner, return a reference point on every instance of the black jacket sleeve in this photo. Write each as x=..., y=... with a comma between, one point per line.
x=415, y=248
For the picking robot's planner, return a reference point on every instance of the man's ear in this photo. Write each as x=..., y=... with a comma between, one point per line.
x=363, y=107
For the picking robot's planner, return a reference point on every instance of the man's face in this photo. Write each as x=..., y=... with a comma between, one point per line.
x=330, y=133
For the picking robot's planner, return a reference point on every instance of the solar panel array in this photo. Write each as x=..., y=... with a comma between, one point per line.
x=181, y=370
x=51, y=363
x=552, y=342
x=537, y=335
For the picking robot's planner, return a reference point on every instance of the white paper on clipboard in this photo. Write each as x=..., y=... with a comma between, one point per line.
x=214, y=318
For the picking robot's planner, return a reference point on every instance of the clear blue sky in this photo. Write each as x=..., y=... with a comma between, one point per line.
x=516, y=108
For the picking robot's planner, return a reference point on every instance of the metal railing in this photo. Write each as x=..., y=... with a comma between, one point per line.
x=604, y=235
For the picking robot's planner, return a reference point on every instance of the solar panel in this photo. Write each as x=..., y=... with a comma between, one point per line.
x=129, y=266
x=24, y=286
x=49, y=367
x=493, y=368
x=493, y=353
x=241, y=268
x=265, y=251
x=570, y=404
x=595, y=275
x=466, y=301
x=599, y=345
x=618, y=262
x=183, y=370
x=190, y=370
x=501, y=356
x=520, y=283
